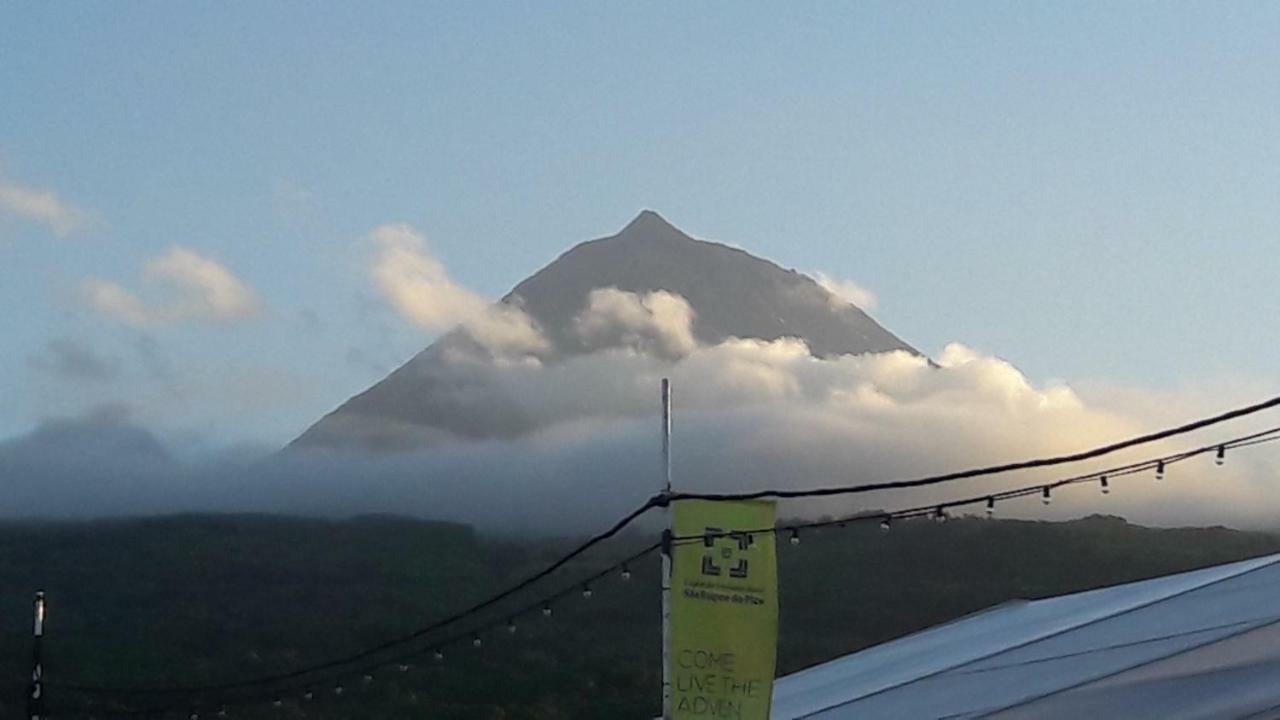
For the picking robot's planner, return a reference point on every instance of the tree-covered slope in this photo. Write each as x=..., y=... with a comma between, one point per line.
x=195, y=599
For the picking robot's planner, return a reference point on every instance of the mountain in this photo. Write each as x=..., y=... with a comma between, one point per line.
x=731, y=292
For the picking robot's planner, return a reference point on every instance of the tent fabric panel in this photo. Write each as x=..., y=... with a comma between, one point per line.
x=969, y=694
x=1241, y=691
x=1037, y=631
x=1259, y=645
x=1226, y=602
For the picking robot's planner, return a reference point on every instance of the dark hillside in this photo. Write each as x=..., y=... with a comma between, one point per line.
x=192, y=599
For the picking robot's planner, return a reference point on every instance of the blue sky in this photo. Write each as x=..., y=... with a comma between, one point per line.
x=1088, y=190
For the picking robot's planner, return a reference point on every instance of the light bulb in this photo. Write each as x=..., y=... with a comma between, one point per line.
x=1106, y=487
x=1045, y=497
x=940, y=515
x=511, y=626
x=586, y=592
x=438, y=655
x=1159, y=469
x=308, y=695
x=795, y=536
x=337, y=689
x=991, y=506
x=367, y=679
x=476, y=641
x=277, y=703
x=886, y=524
x=626, y=573
x=404, y=667
x=1221, y=458
x=546, y=611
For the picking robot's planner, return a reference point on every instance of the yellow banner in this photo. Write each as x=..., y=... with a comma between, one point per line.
x=724, y=611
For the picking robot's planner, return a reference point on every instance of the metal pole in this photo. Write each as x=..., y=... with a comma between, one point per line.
x=666, y=435
x=666, y=552
x=35, y=694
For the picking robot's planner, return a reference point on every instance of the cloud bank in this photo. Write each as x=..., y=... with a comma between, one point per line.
x=191, y=287
x=749, y=415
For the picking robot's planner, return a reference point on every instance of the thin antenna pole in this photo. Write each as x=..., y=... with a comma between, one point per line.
x=666, y=435
x=666, y=552
x=35, y=694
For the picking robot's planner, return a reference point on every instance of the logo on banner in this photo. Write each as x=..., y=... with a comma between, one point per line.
x=726, y=550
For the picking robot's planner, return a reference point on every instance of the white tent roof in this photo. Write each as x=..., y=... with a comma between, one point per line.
x=1203, y=644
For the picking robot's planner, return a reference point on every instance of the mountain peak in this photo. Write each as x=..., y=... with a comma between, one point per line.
x=649, y=224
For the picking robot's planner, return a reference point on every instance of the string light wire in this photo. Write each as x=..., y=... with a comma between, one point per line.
x=935, y=509
x=992, y=469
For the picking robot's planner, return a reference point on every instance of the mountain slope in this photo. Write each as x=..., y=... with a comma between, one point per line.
x=732, y=294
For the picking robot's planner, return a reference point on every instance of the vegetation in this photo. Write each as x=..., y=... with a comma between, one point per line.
x=197, y=598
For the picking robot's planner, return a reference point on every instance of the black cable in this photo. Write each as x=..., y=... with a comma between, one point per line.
x=991, y=470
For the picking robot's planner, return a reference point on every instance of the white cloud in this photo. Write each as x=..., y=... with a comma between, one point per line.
x=754, y=414
x=418, y=287
x=847, y=291
x=205, y=289
x=416, y=284
x=507, y=331
x=192, y=287
x=41, y=206
x=659, y=323
x=115, y=302
x=971, y=395
x=749, y=415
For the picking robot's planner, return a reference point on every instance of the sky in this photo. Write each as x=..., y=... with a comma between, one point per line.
x=190, y=193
